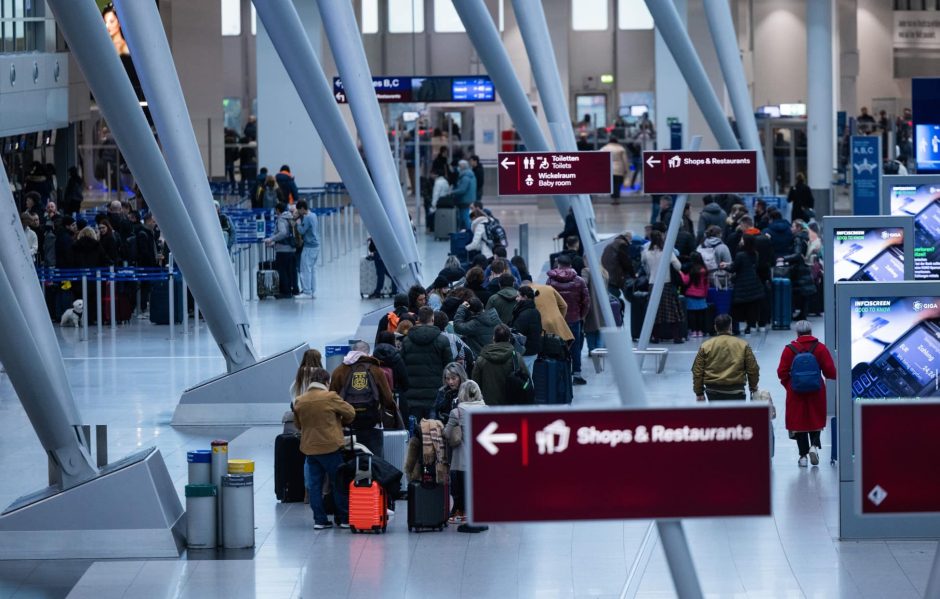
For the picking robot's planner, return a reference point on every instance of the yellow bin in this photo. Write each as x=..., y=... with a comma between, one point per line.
x=241, y=466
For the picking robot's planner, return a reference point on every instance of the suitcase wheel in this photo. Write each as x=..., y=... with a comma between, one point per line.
x=353, y=529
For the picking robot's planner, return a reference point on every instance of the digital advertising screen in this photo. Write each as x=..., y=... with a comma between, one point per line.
x=404, y=89
x=868, y=254
x=472, y=89
x=895, y=347
x=927, y=153
x=923, y=203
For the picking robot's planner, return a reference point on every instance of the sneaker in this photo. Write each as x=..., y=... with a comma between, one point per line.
x=390, y=512
x=303, y=296
x=323, y=526
x=577, y=380
x=457, y=518
x=343, y=524
x=813, y=456
x=802, y=462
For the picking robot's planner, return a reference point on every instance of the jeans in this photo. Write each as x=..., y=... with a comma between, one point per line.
x=594, y=340
x=308, y=269
x=463, y=217
x=371, y=438
x=577, y=329
x=286, y=265
x=315, y=468
x=805, y=439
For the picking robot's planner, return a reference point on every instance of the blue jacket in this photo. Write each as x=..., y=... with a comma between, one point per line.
x=465, y=191
x=288, y=186
x=781, y=237
x=309, y=229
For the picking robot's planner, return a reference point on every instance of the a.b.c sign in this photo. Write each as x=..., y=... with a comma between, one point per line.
x=532, y=464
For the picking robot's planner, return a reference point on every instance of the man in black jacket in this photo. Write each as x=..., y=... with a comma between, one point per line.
x=425, y=351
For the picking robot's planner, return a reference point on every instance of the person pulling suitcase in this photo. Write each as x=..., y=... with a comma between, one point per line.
x=723, y=366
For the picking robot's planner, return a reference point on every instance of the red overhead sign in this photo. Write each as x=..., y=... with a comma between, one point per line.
x=534, y=464
x=700, y=172
x=898, y=455
x=553, y=173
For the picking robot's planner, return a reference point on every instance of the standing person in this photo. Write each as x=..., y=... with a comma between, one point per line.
x=441, y=187
x=446, y=400
x=28, y=220
x=380, y=272
x=711, y=214
x=618, y=263
x=619, y=166
x=425, y=352
x=74, y=192
x=309, y=229
x=360, y=381
x=574, y=291
x=468, y=396
x=494, y=365
x=723, y=366
x=464, y=193
x=801, y=275
x=696, y=294
x=504, y=301
x=285, y=253
x=592, y=322
x=320, y=415
x=475, y=324
x=780, y=233
x=748, y=293
x=480, y=242
x=801, y=197
x=552, y=308
x=248, y=164
x=268, y=195
x=285, y=181
x=478, y=174
x=804, y=364
x=670, y=312
x=389, y=356
x=527, y=320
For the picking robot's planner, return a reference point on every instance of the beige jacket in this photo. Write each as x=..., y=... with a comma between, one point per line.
x=724, y=363
x=320, y=415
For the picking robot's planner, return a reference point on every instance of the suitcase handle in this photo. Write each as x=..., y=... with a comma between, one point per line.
x=363, y=478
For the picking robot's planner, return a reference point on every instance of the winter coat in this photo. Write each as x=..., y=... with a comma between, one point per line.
x=319, y=415
x=87, y=253
x=283, y=228
x=711, y=214
x=800, y=274
x=491, y=370
x=747, y=285
x=722, y=253
x=616, y=260
x=781, y=237
x=806, y=411
x=552, y=308
x=425, y=352
x=504, y=303
x=801, y=196
x=341, y=375
x=592, y=322
x=573, y=290
x=619, y=164
x=476, y=331
x=527, y=320
x=724, y=363
x=288, y=187
x=444, y=402
x=479, y=244
x=483, y=294
x=390, y=357
x=465, y=190
x=458, y=419
x=651, y=258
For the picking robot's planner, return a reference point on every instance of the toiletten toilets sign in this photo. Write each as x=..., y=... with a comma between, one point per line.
x=535, y=464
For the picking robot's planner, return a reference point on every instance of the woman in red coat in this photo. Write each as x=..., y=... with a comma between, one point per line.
x=806, y=411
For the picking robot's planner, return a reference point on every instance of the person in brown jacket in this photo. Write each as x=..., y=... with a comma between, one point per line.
x=320, y=415
x=552, y=308
x=361, y=381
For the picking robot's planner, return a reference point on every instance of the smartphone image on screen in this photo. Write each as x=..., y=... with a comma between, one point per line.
x=927, y=223
x=886, y=266
x=906, y=368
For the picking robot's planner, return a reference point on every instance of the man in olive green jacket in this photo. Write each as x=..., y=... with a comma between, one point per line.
x=723, y=365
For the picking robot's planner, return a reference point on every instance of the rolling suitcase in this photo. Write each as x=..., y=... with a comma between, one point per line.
x=269, y=283
x=123, y=309
x=782, y=304
x=160, y=301
x=445, y=223
x=395, y=448
x=428, y=504
x=288, y=468
x=367, y=279
x=552, y=380
x=722, y=300
x=458, y=243
x=367, y=500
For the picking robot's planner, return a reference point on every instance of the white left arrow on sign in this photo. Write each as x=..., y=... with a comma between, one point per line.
x=488, y=438
x=506, y=163
x=650, y=162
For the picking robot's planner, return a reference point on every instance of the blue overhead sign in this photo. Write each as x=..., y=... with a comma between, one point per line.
x=866, y=174
x=407, y=89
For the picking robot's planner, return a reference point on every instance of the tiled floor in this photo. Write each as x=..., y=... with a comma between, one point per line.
x=131, y=380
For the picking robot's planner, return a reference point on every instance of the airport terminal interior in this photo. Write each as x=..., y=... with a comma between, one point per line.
x=195, y=189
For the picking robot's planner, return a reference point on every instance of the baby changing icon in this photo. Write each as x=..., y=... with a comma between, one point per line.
x=529, y=180
x=553, y=438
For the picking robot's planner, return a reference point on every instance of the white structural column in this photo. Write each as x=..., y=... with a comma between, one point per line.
x=820, y=108
x=672, y=93
x=285, y=133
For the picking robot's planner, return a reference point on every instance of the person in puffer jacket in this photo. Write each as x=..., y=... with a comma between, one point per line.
x=574, y=291
x=780, y=233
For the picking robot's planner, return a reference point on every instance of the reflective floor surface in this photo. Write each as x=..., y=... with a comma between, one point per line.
x=130, y=379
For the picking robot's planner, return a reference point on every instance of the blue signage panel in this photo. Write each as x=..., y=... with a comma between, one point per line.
x=866, y=173
x=403, y=89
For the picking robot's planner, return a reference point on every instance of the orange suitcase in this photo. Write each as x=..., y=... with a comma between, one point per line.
x=367, y=501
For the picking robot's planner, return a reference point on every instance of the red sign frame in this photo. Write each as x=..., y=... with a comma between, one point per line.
x=554, y=173
x=896, y=457
x=680, y=172
x=609, y=472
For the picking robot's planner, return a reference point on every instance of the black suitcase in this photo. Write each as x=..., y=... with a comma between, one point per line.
x=428, y=506
x=552, y=381
x=160, y=301
x=288, y=468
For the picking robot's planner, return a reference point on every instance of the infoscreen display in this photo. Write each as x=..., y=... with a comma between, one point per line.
x=895, y=349
x=923, y=203
x=868, y=254
x=928, y=147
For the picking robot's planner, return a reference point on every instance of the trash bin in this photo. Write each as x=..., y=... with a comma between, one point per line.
x=236, y=466
x=201, y=516
x=200, y=466
x=238, y=511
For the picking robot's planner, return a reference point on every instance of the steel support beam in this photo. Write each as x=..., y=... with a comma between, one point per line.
x=820, y=126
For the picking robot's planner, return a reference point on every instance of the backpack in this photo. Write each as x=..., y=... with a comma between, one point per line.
x=495, y=233
x=805, y=374
x=519, y=387
x=708, y=256
x=362, y=394
x=269, y=197
x=291, y=239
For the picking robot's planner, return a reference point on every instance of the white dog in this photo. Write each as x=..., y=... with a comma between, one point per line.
x=73, y=316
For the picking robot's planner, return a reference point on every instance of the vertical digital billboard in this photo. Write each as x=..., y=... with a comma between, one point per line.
x=919, y=197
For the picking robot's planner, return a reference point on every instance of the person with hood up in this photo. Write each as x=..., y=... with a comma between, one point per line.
x=425, y=352
x=493, y=366
x=479, y=243
x=527, y=320
x=504, y=301
x=476, y=324
x=711, y=214
x=389, y=357
x=780, y=234
x=362, y=374
x=468, y=396
x=574, y=291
